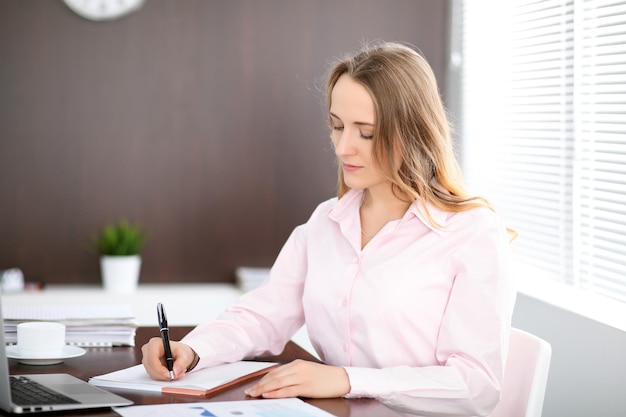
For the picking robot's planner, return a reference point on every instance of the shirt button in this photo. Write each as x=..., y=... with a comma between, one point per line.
x=344, y=303
x=345, y=347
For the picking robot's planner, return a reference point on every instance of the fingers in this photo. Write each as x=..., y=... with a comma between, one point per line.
x=153, y=359
x=277, y=382
x=302, y=379
x=152, y=353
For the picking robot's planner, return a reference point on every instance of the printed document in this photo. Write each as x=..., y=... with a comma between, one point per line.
x=285, y=407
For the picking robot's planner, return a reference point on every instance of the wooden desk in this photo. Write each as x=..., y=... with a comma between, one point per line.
x=98, y=361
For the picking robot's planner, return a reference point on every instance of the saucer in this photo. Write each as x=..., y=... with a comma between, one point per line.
x=13, y=352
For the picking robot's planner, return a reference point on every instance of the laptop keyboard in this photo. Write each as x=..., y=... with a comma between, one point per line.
x=27, y=392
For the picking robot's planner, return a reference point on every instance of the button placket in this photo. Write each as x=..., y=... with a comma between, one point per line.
x=345, y=304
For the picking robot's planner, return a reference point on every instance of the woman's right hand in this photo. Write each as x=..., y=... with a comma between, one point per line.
x=154, y=359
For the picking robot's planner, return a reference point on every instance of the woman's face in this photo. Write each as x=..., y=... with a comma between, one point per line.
x=352, y=119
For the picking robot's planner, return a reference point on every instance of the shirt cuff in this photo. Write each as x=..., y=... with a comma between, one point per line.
x=194, y=362
x=365, y=382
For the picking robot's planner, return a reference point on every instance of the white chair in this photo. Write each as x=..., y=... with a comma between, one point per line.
x=525, y=376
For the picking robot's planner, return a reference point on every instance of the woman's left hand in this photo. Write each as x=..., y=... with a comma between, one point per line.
x=302, y=379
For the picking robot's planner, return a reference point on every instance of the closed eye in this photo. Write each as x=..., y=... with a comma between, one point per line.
x=336, y=124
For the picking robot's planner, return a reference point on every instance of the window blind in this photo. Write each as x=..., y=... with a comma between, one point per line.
x=543, y=131
x=601, y=143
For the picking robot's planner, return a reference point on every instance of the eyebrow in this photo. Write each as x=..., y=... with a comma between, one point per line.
x=356, y=123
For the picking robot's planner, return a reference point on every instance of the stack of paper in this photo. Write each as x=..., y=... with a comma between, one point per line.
x=248, y=278
x=85, y=325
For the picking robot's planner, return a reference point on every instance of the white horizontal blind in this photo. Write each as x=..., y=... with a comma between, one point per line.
x=524, y=168
x=543, y=131
x=601, y=147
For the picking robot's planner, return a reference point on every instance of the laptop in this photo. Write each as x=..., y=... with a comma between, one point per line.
x=60, y=391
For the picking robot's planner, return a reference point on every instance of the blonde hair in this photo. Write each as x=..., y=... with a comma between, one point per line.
x=411, y=122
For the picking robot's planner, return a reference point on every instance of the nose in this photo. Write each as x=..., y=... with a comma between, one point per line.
x=344, y=144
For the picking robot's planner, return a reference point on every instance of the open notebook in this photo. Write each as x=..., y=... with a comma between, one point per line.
x=203, y=382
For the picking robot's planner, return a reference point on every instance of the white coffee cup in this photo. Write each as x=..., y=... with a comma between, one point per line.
x=40, y=339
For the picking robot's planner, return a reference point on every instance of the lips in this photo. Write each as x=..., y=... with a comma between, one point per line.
x=350, y=168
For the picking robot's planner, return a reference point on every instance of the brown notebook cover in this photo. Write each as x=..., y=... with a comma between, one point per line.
x=219, y=388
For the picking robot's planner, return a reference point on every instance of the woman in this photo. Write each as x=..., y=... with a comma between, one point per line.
x=402, y=280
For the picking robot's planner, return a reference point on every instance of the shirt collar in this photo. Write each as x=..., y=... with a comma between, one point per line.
x=352, y=199
x=440, y=217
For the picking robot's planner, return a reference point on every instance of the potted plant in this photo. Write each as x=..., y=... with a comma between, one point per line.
x=119, y=245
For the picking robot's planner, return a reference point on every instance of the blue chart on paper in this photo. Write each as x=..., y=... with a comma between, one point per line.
x=203, y=412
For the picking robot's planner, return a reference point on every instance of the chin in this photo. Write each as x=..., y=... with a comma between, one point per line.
x=355, y=185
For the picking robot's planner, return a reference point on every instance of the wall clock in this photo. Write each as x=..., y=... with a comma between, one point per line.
x=101, y=10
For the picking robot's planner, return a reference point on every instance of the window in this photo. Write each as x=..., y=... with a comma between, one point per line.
x=542, y=127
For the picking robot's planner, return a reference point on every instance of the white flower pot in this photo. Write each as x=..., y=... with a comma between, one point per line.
x=120, y=274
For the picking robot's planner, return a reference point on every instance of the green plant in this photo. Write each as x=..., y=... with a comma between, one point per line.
x=120, y=239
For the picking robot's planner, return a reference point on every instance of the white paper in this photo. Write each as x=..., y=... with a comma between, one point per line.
x=85, y=325
x=285, y=407
x=137, y=378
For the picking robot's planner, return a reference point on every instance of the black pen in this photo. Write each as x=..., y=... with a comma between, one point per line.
x=165, y=335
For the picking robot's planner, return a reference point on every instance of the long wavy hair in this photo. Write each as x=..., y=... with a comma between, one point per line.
x=411, y=122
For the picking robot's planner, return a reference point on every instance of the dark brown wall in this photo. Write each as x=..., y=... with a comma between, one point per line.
x=199, y=119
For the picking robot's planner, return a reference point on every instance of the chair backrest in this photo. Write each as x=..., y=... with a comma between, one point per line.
x=525, y=376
